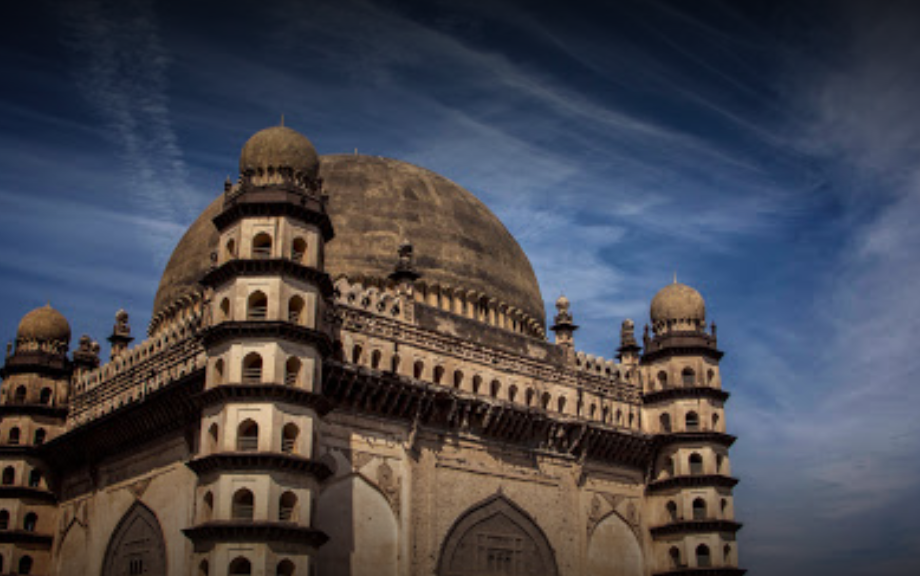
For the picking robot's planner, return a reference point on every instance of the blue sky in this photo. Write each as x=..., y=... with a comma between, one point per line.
x=768, y=152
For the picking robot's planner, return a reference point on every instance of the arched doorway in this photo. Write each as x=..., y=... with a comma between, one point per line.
x=137, y=546
x=496, y=537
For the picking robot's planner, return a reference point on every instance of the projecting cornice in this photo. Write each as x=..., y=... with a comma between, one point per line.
x=269, y=329
x=226, y=461
x=719, y=438
x=695, y=527
x=706, y=480
x=269, y=267
x=691, y=393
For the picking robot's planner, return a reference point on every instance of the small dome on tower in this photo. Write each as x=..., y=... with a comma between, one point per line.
x=279, y=148
x=678, y=304
x=44, y=324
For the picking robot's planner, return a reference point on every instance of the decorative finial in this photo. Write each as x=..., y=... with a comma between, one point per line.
x=675, y=276
x=282, y=119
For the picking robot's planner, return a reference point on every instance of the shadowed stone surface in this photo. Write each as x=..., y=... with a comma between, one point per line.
x=374, y=204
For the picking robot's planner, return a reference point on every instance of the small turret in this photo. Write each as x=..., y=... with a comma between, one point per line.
x=404, y=272
x=564, y=327
x=121, y=334
x=628, y=352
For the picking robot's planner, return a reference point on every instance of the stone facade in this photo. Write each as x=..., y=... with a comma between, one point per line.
x=282, y=418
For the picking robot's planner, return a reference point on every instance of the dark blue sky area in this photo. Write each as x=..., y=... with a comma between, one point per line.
x=766, y=152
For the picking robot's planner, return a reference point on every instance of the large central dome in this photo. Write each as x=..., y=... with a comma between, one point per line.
x=374, y=204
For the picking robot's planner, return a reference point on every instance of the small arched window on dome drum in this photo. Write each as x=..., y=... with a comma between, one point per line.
x=261, y=246
x=225, y=310
x=4, y=519
x=289, y=435
x=247, y=437
x=257, y=306
x=295, y=310
x=674, y=554
x=25, y=565
x=438, y=374
x=665, y=421
x=35, y=478
x=696, y=464
x=418, y=369
x=39, y=437
x=692, y=421
x=14, y=436
x=20, y=396
x=243, y=505
x=672, y=511
x=458, y=379
x=376, y=359
x=45, y=396
x=285, y=568
x=252, y=368
x=28, y=524
x=512, y=393
x=699, y=509
x=240, y=567
x=663, y=379
x=298, y=250
x=688, y=376
x=703, y=559
x=292, y=371
x=287, y=506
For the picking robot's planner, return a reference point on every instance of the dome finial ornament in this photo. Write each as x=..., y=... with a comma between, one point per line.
x=282, y=120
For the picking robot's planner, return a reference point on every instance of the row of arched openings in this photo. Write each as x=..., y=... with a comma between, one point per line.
x=687, y=377
x=15, y=436
x=247, y=437
x=253, y=369
x=8, y=478
x=20, y=395
x=243, y=506
x=243, y=567
x=691, y=422
x=703, y=556
x=695, y=462
x=262, y=248
x=257, y=308
x=700, y=511
x=25, y=565
x=29, y=522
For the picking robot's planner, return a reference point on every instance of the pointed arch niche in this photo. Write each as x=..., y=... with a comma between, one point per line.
x=613, y=549
x=496, y=537
x=137, y=545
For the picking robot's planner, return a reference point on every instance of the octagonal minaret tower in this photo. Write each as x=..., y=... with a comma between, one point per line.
x=33, y=408
x=265, y=345
x=690, y=486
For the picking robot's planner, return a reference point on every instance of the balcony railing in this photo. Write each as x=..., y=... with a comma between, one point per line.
x=261, y=253
x=247, y=443
x=257, y=313
x=252, y=376
x=287, y=445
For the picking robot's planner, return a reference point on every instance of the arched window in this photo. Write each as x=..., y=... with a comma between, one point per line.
x=528, y=396
x=561, y=404
x=247, y=438
x=262, y=246
x=219, y=371
x=605, y=414
x=230, y=249
x=212, y=437
x=663, y=379
x=292, y=371
x=9, y=475
x=252, y=368
x=715, y=422
x=295, y=310
x=289, y=435
x=477, y=384
x=669, y=466
x=298, y=249
x=727, y=554
x=225, y=309
x=4, y=519
x=665, y=420
x=25, y=565
x=243, y=505
x=207, y=509
x=699, y=509
x=672, y=511
x=287, y=506
x=285, y=568
x=710, y=376
x=512, y=393
x=240, y=567
x=693, y=422
x=418, y=369
x=376, y=358
x=204, y=569
x=356, y=353
x=20, y=396
x=14, y=435
x=39, y=438
x=545, y=400
x=719, y=459
x=45, y=396
x=438, y=374
x=394, y=363
x=35, y=478
x=723, y=506
x=696, y=464
x=257, y=306
x=674, y=553
x=495, y=388
x=28, y=524
x=702, y=556
x=688, y=377
x=592, y=411
x=458, y=379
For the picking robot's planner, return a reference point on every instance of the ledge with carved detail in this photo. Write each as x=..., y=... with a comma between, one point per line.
x=26, y=537
x=36, y=361
x=690, y=393
x=250, y=392
x=681, y=344
x=719, y=438
x=273, y=201
x=695, y=527
x=27, y=493
x=707, y=571
x=224, y=331
x=33, y=409
x=700, y=481
x=255, y=531
x=269, y=267
x=401, y=398
x=259, y=461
